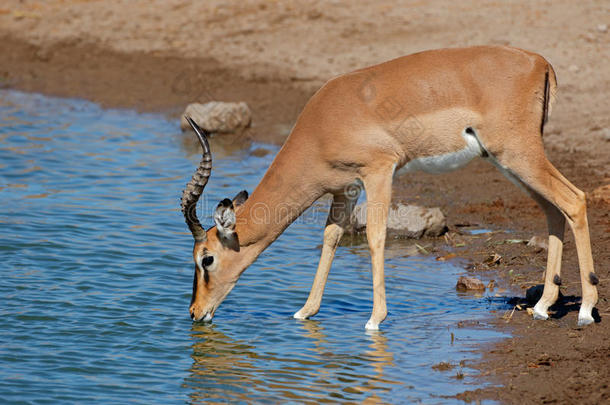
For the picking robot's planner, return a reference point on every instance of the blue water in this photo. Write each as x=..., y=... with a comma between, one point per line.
x=96, y=279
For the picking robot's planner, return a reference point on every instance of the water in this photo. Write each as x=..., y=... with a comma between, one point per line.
x=96, y=281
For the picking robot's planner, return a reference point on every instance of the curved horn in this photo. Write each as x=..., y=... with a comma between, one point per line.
x=194, y=188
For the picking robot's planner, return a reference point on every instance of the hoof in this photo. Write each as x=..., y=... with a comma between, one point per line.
x=300, y=314
x=540, y=316
x=585, y=319
x=371, y=325
x=585, y=316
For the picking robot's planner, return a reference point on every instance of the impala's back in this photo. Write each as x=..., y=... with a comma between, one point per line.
x=443, y=104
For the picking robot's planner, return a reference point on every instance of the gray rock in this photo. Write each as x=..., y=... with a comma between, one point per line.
x=218, y=116
x=408, y=221
x=466, y=283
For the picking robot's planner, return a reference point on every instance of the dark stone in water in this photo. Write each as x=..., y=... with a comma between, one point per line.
x=465, y=283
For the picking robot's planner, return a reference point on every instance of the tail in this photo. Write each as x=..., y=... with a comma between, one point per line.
x=550, y=91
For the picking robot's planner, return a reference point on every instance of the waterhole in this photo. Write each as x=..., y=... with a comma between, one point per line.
x=96, y=281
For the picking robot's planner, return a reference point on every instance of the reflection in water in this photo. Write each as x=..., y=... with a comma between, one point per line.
x=222, y=368
x=226, y=369
x=96, y=276
x=381, y=358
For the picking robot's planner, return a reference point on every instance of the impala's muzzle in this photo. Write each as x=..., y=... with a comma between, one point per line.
x=203, y=317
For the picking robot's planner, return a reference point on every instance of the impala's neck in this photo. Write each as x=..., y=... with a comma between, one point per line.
x=288, y=188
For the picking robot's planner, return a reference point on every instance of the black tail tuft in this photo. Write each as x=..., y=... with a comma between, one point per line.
x=545, y=102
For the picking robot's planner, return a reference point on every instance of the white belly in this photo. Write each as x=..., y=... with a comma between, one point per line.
x=447, y=161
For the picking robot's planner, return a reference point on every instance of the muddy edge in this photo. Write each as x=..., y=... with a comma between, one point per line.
x=551, y=361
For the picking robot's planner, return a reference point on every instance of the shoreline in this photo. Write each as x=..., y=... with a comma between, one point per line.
x=545, y=360
x=145, y=82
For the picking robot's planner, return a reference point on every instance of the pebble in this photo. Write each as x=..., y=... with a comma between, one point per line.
x=466, y=283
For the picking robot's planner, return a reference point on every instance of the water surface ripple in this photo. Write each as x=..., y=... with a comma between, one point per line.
x=96, y=282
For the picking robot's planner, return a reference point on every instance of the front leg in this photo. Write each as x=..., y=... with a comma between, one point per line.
x=378, y=189
x=338, y=218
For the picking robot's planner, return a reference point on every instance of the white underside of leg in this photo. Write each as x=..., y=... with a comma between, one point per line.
x=584, y=315
x=446, y=162
x=299, y=315
x=540, y=311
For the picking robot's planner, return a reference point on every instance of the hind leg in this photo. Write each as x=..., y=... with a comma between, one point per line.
x=552, y=280
x=555, y=193
x=556, y=227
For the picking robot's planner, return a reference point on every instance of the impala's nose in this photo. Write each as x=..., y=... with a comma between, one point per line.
x=205, y=317
x=193, y=313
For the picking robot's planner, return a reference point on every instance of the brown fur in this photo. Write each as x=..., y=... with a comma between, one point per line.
x=361, y=126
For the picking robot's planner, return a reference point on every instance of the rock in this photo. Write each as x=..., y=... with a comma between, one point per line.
x=218, y=116
x=407, y=221
x=466, y=283
x=539, y=242
x=602, y=27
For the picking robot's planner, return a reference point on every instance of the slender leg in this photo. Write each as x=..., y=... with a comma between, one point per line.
x=378, y=195
x=556, y=226
x=550, y=184
x=552, y=279
x=338, y=218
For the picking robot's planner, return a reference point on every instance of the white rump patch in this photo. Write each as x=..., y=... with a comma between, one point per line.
x=447, y=161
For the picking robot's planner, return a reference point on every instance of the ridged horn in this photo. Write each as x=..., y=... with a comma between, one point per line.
x=194, y=188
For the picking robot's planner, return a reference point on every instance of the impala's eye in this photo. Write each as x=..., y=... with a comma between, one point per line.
x=207, y=261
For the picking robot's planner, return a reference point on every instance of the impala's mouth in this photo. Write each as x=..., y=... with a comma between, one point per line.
x=206, y=317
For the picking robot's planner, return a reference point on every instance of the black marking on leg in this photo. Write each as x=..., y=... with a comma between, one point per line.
x=593, y=278
x=557, y=279
x=470, y=131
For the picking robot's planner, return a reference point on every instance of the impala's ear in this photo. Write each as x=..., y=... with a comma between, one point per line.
x=224, y=217
x=240, y=198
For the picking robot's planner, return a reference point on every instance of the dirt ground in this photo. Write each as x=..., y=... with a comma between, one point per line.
x=161, y=55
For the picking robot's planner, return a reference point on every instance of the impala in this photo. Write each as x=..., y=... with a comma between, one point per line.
x=432, y=111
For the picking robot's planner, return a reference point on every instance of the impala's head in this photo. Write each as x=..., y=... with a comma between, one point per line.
x=216, y=251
